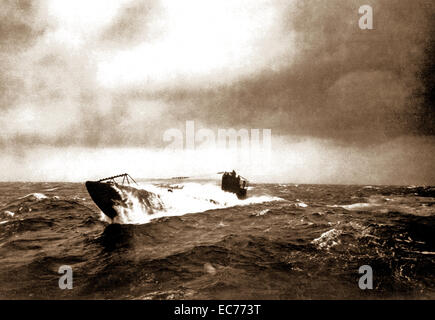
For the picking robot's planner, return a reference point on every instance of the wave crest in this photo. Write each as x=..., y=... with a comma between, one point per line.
x=151, y=201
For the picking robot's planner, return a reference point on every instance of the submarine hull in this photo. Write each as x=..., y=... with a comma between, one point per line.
x=109, y=196
x=241, y=194
x=104, y=196
x=232, y=183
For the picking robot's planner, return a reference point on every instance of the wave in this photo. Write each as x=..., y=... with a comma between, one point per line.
x=23, y=204
x=34, y=196
x=327, y=239
x=192, y=197
x=359, y=206
x=393, y=203
x=301, y=204
x=33, y=203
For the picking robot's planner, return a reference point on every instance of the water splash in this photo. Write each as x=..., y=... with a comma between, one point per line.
x=327, y=239
x=191, y=198
x=34, y=196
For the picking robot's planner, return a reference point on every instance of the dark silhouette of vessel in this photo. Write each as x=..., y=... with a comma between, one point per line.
x=109, y=195
x=231, y=182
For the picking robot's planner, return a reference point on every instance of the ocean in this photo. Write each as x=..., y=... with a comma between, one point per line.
x=285, y=241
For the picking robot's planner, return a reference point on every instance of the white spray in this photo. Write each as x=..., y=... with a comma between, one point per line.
x=189, y=198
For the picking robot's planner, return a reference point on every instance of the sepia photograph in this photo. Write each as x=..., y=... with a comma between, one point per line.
x=217, y=150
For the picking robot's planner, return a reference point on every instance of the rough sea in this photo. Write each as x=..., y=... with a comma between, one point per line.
x=284, y=241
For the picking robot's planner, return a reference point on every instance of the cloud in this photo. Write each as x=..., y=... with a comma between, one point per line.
x=132, y=25
x=18, y=24
x=401, y=161
x=19, y=29
x=78, y=23
x=112, y=74
x=198, y=43
x=344, y=83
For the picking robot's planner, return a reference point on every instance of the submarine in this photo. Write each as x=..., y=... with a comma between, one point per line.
x=109, y=195
x=231, y=182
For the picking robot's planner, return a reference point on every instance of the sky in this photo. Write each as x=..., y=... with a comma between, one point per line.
x=89, y=88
